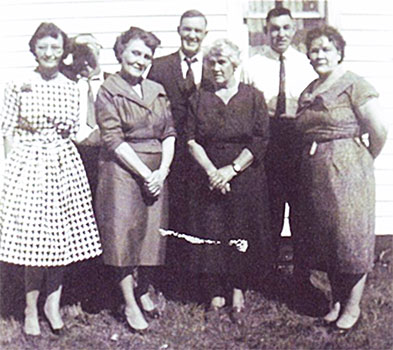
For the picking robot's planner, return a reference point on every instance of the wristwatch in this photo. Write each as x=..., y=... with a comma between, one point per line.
x=236, y=167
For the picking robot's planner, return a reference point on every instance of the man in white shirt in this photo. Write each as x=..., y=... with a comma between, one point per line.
x=282, y=73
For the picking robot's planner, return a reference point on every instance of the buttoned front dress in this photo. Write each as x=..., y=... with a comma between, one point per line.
x=46, y=216
x=129, y=219
x=224, y=130
x=337, y=177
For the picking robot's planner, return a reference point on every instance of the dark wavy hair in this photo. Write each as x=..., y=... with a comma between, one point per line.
x=49, y=29
x=278, y=11
x=192, y=13
x=331, y=33
x=150, y=40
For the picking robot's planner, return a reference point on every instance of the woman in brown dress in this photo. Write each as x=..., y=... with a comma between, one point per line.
x=138, y=145
x=227, y=134
x=337, y=172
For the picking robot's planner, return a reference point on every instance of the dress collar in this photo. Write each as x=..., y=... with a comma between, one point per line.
x=117, y=85
x=330, y=95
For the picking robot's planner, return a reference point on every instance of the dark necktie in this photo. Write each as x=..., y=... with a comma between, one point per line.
x=91, y=117
x=190, y=81
x=280, y=107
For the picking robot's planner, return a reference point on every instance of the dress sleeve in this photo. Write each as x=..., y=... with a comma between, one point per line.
x=10, y=110
x=108, y=120
x=257, y=146
x=362, y=91
x=169, y=129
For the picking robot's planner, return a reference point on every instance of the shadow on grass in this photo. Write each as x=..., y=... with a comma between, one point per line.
x=88, y=283
x=92, y=285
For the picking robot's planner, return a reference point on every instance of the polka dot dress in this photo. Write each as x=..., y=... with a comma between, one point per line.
x=46, y=216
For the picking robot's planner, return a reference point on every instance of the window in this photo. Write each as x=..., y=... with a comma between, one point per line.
x=307, y=14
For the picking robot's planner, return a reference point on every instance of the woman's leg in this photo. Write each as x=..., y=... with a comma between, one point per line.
x=214, y=289
x=132, y=311
x=354, y=287
x=145, y=276
x=54, y=286
x=237, y=284
x=335, y=304
x=33, y=281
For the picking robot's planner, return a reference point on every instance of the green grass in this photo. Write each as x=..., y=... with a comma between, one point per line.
x=275, y=317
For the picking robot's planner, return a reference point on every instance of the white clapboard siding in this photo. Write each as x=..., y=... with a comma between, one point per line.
x=367, y=27
x=106, y=19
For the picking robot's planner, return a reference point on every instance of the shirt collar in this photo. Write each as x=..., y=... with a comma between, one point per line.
x=198, y=56
x=275, y=55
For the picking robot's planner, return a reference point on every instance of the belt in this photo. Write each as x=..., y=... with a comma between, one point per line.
x=313, y=145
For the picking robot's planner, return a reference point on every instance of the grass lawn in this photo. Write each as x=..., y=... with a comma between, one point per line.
x=276, y=317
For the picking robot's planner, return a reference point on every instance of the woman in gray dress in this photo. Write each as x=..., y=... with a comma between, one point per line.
x=138, y=144
x=335, y=111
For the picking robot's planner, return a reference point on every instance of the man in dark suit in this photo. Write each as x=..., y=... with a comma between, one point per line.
x=181, y=74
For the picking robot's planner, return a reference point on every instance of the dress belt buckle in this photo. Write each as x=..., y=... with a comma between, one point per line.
x=313, y=148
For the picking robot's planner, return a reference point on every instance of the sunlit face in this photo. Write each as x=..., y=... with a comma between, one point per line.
x=136, y=57
x=192, y=31
x=323, y=55
x=221, y=69
x=281, y=31
x=49, y=52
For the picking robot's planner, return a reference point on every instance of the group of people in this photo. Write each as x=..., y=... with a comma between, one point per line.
x=195, y=150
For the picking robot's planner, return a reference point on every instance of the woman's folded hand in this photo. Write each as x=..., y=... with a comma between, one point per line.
x=155, y=181
x=226, y=174
x=219, y=179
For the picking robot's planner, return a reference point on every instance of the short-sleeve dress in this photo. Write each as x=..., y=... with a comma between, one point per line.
x=46, y=216
x=224, y=130
x=129, y=219
x=337, y=175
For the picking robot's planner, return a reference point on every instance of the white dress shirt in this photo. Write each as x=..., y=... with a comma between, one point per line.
x=263, y=72
x=196, y=66
x=86, y=135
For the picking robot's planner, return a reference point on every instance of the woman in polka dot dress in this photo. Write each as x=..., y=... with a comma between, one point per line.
x=46, y=216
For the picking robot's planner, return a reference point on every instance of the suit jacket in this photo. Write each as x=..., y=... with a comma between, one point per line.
x=167, y=71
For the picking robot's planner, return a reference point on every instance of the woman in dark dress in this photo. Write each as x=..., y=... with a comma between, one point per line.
x=138, y=144
x=227, y=134
x=337, y=172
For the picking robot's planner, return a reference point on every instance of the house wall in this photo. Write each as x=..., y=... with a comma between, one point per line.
x=106, y=19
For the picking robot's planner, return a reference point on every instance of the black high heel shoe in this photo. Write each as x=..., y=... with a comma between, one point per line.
x=235, y=314
x=152, y=314
x=56, y=331
x=140, y=331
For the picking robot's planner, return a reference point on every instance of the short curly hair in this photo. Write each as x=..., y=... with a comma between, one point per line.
x=49, y=29
x=150, y=40
x=224, y=47
x=331, y=33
